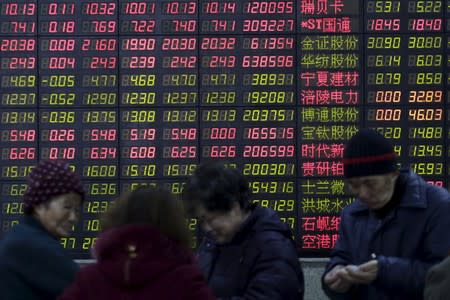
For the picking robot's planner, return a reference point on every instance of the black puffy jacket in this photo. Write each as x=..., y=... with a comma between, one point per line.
x=260, y=262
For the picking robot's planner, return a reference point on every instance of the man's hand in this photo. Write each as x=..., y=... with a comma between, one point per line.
x=334, y=280
x=362, y=274
x=341, y=278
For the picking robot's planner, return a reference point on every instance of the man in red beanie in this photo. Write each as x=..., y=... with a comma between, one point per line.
x=33, y=264
x=395, y=230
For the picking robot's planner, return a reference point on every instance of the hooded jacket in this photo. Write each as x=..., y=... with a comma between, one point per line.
x=137, y=262
x=260, y=262
x=411, y=238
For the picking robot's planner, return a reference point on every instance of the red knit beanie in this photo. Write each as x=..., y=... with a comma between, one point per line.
x=48, y=179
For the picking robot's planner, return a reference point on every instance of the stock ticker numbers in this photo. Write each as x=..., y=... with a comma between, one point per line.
x=136, y=92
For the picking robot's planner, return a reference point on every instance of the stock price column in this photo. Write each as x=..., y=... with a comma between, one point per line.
x=99, y=132
x=99, y=162
x=218, y=82
x=405, y=85
x=159, y=92
x=426, y=92
x=219, y=85
x=18, y=102
x=247, y=107
x=78, y=58
x=329, y=102
x=447, y=74
x=383, y=92
x=158, y=53
x=267, y=85
x=137, y=92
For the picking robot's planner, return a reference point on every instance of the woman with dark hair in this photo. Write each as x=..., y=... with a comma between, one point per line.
x=33, y=264
x=247, y=252
x=142, y=253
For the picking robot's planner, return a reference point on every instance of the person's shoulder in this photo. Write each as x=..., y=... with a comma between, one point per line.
x=438, y=197
x=89, y=272
x=268, y=227
x=272, y=243
x=23, y=239
x=435, y=196
x=20, y=236
x=416, y=184
x=86, y=277
x=355, y=207
x=187, y=274
x=438, y=193
x=19, y=244
x=190, y=282
x=188, y=270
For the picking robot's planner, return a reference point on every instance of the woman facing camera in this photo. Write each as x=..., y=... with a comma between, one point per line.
x=33, y=264
x=142, y=253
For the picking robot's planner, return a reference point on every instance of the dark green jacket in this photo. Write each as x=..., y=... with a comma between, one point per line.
x=437, y=286
x=33, y=264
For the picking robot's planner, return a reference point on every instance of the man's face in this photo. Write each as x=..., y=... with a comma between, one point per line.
x=221, y=226
x=374, y=191
x=60, y=214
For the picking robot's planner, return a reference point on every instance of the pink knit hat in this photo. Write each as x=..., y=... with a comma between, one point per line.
x=48, y=179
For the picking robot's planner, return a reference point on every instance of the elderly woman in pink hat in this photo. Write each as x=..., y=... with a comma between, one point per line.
x=33, y=264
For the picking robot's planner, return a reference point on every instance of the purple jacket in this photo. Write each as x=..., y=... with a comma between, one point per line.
x=138, y=262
